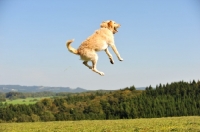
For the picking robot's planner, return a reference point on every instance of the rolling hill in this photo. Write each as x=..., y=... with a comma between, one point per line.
x=19, y=88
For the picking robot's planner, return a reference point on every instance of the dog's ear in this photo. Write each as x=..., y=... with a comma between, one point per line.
x=110, y=24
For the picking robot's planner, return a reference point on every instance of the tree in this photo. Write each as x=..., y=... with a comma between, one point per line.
x=23, y=118
x=47, y=116
x=34, y=118
x=132, y=88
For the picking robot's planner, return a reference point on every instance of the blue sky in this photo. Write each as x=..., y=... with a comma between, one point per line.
x=158, y=40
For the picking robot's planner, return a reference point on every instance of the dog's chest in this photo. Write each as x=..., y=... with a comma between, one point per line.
x=102, y=46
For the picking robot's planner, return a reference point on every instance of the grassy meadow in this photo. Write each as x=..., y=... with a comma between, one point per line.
x=24, y=101
x=172, y=124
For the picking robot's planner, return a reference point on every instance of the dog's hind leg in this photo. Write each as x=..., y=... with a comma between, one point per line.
x=94, y=64
x=110, y=56
x=86, y=64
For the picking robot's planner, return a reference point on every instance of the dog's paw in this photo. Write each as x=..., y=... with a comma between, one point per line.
x=101, y=73
x=120, y=59
x=111, y=61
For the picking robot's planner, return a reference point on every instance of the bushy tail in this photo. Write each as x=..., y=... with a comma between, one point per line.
x=70, y=48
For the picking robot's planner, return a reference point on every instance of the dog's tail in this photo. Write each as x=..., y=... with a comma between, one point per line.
x=70, y=48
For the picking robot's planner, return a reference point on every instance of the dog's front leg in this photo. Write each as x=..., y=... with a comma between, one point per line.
x=116, y=52
x=109, y=55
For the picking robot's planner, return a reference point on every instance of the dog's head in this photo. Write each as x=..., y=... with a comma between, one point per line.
x=111, y=25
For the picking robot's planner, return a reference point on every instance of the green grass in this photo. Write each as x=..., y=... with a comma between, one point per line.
x=170, y=124
x=24, y=101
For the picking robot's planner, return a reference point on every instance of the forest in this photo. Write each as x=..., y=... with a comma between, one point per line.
x=165, y=100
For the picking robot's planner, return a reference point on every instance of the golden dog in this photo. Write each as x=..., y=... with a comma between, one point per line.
x=100, y=40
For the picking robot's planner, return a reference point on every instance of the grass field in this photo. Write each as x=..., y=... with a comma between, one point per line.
x=24, y=101
x=170, y=124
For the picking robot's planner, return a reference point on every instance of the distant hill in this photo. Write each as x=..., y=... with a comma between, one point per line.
x=141, y=88
x=18, y=88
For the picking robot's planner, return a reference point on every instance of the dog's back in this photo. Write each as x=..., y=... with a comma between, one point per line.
x=97, y=41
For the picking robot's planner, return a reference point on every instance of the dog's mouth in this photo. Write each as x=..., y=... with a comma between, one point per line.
x=115, y=30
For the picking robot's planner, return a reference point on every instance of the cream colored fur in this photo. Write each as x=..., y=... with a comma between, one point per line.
x=100, y=40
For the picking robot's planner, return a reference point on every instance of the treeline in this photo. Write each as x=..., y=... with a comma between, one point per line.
x=21, y=95
x=175, y=99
